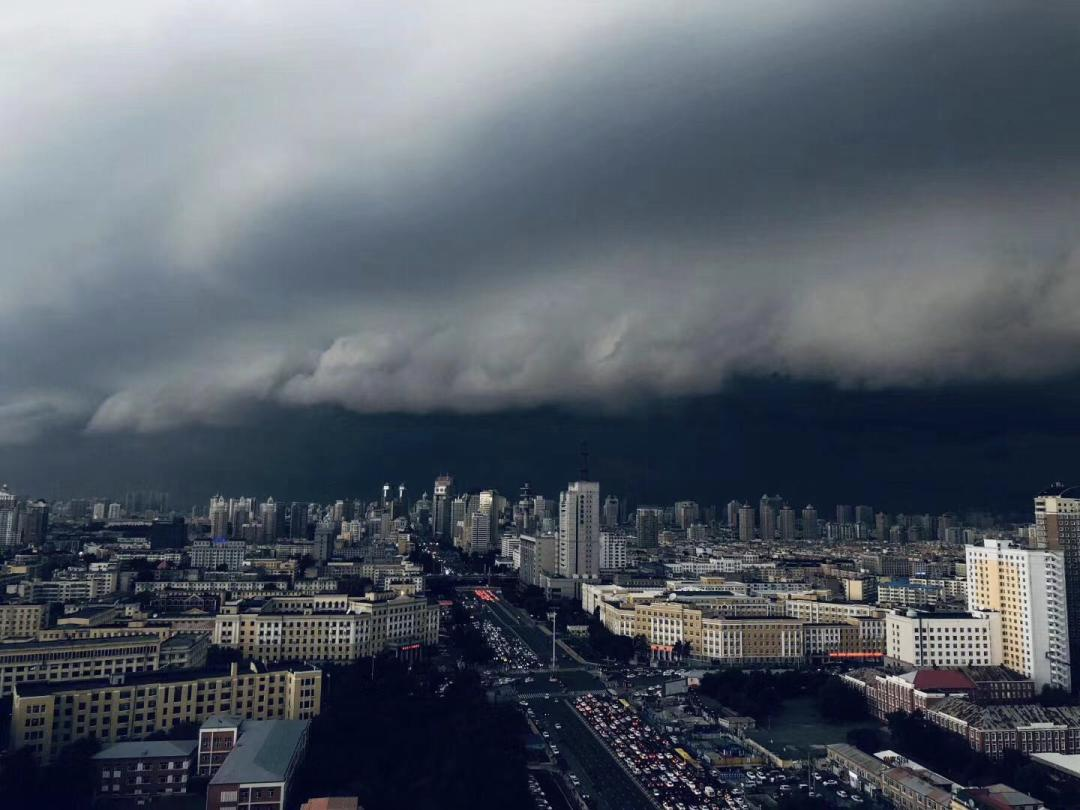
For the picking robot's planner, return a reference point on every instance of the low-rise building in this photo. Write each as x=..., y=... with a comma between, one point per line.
x=857, y=769
x=255, y=770
x=133, y=773
x=23, y=619
x=992, y=730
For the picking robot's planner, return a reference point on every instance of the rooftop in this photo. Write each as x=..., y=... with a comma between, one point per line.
x=263, y=752
x=161, y=676
x=148, y=749
x=941, y=679
x=105, y=641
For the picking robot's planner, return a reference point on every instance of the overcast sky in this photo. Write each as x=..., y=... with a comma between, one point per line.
x=209, y=210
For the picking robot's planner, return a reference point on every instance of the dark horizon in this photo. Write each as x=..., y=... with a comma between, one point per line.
x=907, y=451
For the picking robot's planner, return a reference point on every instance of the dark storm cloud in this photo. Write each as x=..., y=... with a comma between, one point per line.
x=489, y=207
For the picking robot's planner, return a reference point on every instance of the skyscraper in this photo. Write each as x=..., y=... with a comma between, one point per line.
x=483, y=524
x=579, y=530
x=787, y=523
x=34, y=522
x=843, y=514
x=647, y=521
x=809, y=523
x=298, y=520
x=272, y=520
x=731, y=514
x=9, y=518
x=767, y=518
x=746, y=523
x=219, y=517
x=1057, y=528
x=1027, y=587
x=686, y=514
x=440, y=507
x=611, y=512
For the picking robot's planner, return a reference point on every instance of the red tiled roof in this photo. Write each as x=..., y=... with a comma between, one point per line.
x=941, y=679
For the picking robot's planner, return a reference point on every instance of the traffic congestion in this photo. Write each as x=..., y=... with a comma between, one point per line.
x=507, y=649
x=668, y=773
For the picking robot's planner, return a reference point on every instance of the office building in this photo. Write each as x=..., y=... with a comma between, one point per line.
x=72, y=659
x=613, y=550
x=919, y=639
x=539, y=555
x=579, y=530
x=219, y=517
x=1027, y=587
x=440, y=507
x=328, y=627
x=48, y=716
x=217, y=554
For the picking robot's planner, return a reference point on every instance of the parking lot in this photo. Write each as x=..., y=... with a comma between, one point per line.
x=667, y=772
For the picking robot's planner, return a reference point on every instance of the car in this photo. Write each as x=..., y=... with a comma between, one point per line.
x=856, y=799
x=842, y=794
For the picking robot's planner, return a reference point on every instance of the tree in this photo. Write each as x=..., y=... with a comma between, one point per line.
x=839, y=703
x=642, y=649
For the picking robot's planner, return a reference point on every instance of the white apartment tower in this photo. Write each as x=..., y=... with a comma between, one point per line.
x=1027, y=587
x=579, y=530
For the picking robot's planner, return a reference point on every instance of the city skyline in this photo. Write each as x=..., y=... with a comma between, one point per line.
x=889, y=265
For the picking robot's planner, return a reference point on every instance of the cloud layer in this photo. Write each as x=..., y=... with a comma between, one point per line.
x=448, y=208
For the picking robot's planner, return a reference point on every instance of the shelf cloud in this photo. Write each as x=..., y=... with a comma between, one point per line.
x=491, y=206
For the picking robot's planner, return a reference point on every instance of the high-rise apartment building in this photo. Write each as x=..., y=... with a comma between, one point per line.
x=219, y=517
x=843, y=513
x=1057, y=528
x=767, y=518
x=746, y=523
x=1027, y=587
x=787, y=523
x=441, y=526
x=579, y=530
x=810, y=529
x=731, y=514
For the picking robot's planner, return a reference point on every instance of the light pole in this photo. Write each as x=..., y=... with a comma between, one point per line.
x=552, y=616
